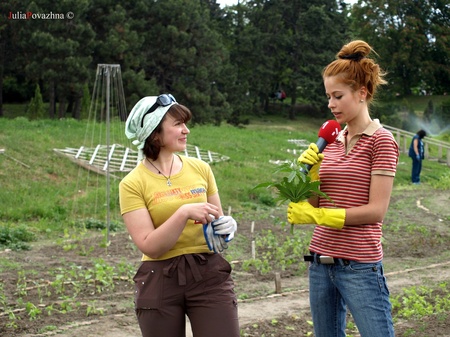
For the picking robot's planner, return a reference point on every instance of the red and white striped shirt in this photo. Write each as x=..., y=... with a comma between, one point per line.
x=345, y=178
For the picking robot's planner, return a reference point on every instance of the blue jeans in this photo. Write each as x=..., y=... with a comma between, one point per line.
x=359, y=286
x=416, y=169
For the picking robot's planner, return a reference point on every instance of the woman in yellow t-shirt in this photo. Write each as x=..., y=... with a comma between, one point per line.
x=171, y=207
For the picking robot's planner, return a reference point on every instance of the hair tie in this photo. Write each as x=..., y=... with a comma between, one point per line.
x=353, y=57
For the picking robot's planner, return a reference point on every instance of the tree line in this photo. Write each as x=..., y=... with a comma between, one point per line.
x=223, y=63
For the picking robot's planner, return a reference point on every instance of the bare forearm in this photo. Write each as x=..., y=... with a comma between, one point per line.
x=162, y=239
x=364, y=215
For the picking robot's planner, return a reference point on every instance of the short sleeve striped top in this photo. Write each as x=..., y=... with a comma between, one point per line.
x=345, y=178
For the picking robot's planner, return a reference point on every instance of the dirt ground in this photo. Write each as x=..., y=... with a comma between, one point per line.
x=412, y=257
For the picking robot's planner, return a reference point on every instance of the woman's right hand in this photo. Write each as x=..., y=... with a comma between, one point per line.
x=202, y=212
x=311, y=156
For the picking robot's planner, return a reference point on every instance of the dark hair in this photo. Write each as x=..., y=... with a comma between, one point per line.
x=355, y=69
x=153, y=144
x=421, y=134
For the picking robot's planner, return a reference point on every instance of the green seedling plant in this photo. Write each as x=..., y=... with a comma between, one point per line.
x=32, y=311
x=295, y=185
x=48, y=328
x=50, y=309
x=66, y=305
x=12, y=319
x=419, y=301
x=21, y=284
x=59, y=284
x=5, y=308
x=103, y=276
x=93, y=310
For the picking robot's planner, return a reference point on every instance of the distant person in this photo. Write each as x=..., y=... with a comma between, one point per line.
x=357, y=172
x=417, y=154
x=164, y=201
x=279, y=95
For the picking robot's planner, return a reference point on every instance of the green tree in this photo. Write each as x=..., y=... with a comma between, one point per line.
x=85, y=103
x=185, y=56
x=412, y=40
x=61, y=53
x=10, y=52
x=311, y=48
x=119, y=27
x=36, y=108
x=279, y=45
x=264, y=50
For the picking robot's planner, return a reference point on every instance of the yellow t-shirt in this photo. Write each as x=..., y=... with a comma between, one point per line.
x=142, y=188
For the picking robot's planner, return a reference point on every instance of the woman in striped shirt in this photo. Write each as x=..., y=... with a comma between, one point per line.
x=357, y=172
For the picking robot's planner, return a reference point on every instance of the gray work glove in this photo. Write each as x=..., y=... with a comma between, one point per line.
x=225, y=226
x=215, y=242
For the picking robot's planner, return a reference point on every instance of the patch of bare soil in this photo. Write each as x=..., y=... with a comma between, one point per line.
x=416, y=253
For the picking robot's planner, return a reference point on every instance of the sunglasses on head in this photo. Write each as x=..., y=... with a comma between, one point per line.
x=162, y=100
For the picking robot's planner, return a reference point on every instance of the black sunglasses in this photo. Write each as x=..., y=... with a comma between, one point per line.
x=162, y=100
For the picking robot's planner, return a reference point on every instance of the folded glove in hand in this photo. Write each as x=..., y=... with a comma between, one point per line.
x=226, y=226
x=215, y=242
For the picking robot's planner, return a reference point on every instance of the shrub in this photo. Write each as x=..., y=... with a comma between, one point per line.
x=15, y=238
x=36, y=109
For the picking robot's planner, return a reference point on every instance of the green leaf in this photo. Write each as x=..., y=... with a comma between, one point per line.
x=292, y=176
x=295, y=186
x=266, y=184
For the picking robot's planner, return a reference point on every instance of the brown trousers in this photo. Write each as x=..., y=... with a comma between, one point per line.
x=197, y=285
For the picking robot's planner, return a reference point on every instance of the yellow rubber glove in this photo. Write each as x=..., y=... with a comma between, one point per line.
x=311, y=156
x=304, y=213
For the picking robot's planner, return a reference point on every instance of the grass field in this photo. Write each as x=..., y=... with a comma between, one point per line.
x=45, y=190
x=43, y=195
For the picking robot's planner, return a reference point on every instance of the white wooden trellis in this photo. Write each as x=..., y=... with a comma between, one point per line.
x=116, y=156
x=205, y=155
x=301, y=143
x=123, y=159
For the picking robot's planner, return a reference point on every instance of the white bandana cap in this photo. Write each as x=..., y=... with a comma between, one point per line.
x=133, y=128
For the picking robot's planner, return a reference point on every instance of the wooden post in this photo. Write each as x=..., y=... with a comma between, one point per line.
x=448, y=157
x=277, y=283
x=253, y=241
